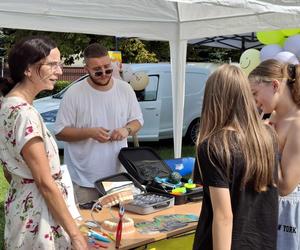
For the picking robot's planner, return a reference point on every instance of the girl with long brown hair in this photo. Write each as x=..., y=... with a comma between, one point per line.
x=276, y=88
x=237, y=160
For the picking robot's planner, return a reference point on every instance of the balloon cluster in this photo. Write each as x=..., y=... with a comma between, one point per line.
x=282, y=45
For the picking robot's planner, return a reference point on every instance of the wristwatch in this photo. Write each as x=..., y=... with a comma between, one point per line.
x=129, y=130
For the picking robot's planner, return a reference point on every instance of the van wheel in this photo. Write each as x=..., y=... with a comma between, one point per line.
x=192, y=132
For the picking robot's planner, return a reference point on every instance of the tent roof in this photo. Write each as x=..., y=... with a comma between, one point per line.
x=150, y=19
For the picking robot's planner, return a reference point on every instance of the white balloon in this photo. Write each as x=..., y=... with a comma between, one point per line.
x=269, y=51
x=292, y=44
x=286, y=57
x=127, y=72
x=139, y=81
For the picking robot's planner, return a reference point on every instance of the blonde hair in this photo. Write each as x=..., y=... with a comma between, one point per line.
x=273, y=69
x=228, y=105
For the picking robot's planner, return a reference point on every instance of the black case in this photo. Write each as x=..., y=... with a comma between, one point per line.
x=144, y=164
x=166, y=201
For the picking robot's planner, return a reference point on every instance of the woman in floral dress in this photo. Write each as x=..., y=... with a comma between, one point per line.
x=36, y=215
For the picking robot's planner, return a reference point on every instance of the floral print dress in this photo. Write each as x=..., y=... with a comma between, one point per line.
x=29, y=223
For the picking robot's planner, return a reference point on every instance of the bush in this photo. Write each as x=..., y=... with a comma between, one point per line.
x=60, y=85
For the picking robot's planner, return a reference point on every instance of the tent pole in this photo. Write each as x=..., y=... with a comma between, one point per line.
x=178, y=50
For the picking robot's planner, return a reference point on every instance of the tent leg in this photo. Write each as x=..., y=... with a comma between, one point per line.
x=178, y=62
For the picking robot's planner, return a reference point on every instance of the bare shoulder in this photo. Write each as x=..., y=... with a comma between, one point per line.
x=295, y=122
x=293, y=133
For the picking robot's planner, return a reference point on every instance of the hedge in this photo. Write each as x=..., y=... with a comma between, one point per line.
x=60, y=85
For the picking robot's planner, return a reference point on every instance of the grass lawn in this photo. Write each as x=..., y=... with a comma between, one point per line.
x=3, y=189
x=163, y=148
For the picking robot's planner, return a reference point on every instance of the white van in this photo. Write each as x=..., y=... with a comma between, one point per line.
x=155, y=101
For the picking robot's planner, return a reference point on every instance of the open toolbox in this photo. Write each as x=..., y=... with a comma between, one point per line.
x=144, y=202
x=146, y=166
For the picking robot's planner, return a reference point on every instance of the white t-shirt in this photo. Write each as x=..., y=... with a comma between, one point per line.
x=84, y=107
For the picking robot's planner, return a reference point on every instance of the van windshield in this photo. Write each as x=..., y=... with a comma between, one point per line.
x=60, y=94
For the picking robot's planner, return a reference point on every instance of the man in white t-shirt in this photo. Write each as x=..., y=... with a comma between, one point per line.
x=95, y=118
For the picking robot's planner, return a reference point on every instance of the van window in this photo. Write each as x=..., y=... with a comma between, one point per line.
x=150, y=93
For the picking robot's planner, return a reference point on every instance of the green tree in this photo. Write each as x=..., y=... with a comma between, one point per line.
x=70, y=44
x=198, y=53
x=160, y=48
x=134, y=51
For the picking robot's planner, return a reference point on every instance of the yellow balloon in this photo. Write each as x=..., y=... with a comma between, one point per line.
x=270, y=37
x=290, y=32
x=281, y=44
x=249, y=60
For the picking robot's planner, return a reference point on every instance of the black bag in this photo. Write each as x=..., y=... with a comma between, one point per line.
x=144, y=164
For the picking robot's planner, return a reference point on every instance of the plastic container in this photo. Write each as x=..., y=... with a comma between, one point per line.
x=184, y=165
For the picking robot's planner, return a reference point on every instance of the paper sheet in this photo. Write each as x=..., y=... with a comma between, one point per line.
x=109, y=185
x=66, y=180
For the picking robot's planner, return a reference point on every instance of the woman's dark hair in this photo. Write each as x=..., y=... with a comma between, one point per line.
x=24, y=53
x=5, y=86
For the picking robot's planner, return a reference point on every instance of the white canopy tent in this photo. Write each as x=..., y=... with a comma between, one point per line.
x=173, y=21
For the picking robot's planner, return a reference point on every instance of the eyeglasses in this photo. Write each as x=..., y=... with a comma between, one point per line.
x=100, y=72
x=54, y=65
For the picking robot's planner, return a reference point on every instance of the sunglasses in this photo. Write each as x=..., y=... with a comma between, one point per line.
x=100, y=72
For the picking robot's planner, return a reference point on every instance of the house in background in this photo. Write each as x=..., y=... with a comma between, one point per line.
x=73, y=72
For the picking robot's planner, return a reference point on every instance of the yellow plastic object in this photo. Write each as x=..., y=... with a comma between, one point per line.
x=178, y=191
x=177, y=243
x=189, y=185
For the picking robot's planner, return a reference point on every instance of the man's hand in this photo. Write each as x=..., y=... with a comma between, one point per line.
x=119, y=134
x=100, y=134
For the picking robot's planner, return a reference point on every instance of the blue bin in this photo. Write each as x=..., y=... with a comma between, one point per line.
x=184, y=166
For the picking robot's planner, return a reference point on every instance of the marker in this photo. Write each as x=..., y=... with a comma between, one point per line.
x=97, y=236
